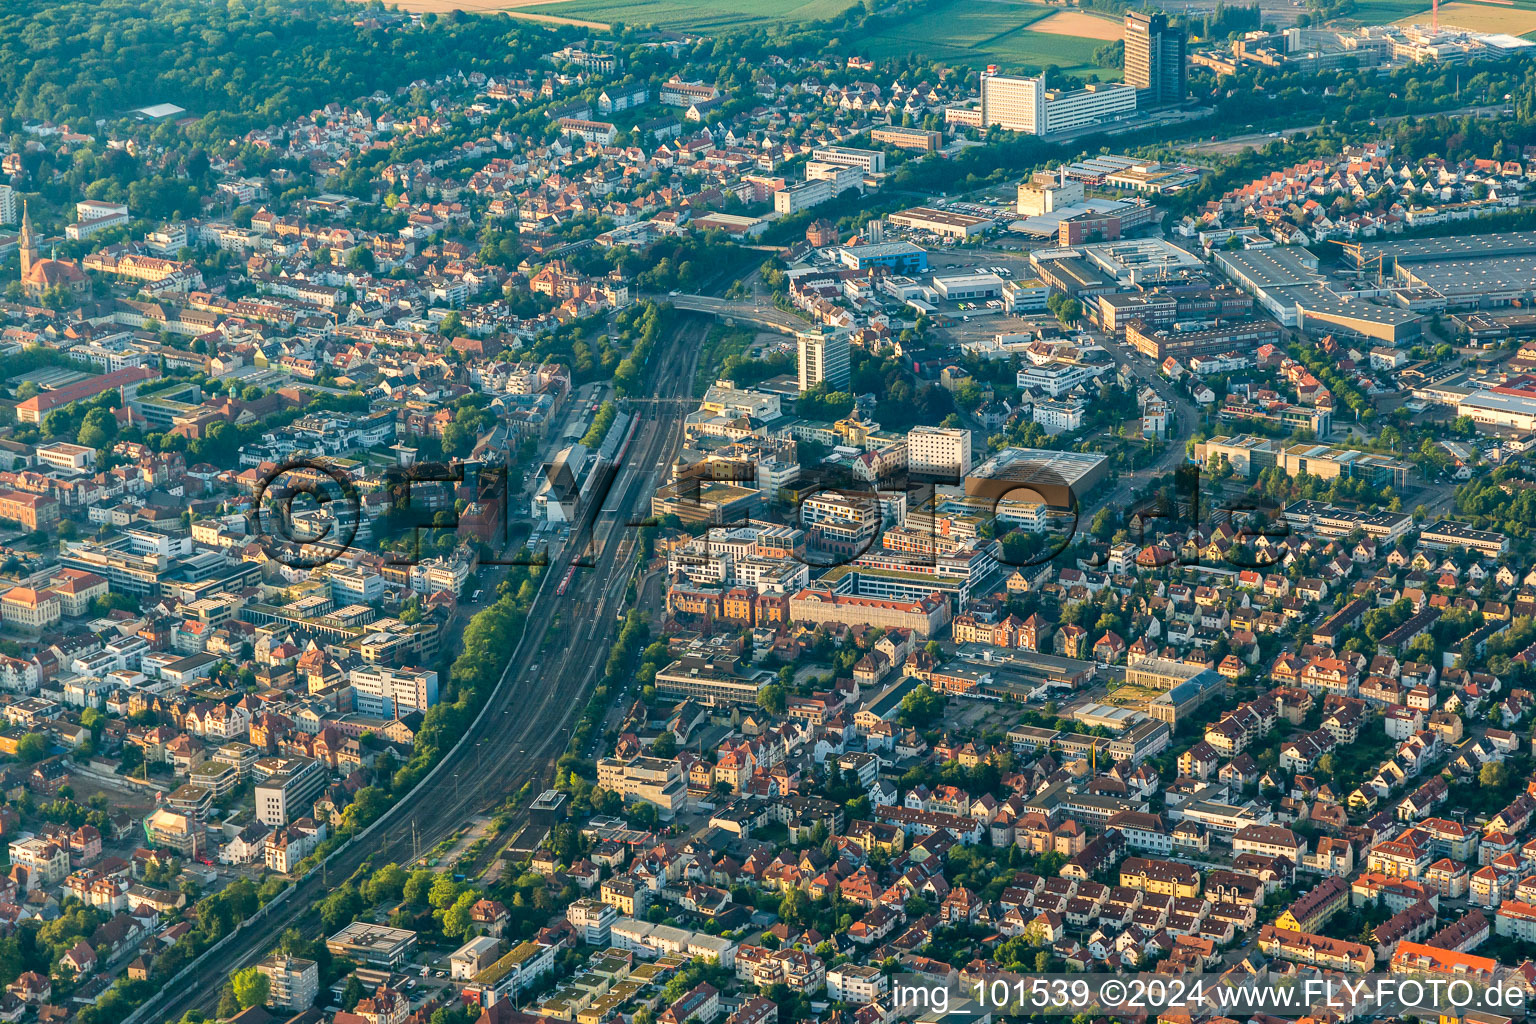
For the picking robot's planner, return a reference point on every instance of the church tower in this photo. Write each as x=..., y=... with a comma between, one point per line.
x=27, y=243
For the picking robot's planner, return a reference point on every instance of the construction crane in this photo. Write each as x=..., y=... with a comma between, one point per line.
x=1356, y=252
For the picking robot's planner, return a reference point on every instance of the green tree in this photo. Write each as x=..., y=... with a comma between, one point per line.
x=1493, y=775
x=418, y=886
x=251, y=987
x=33, y=747
x=387, y=883
x=444, y=891
x=772, y=698
x=456, y=919
x=351, y=993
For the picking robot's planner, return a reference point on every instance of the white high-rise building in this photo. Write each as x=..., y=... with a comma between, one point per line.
x=823, y=358
x=8, y=209
x=1014, y=103
x=386, y=692
x=1026, y=105
x=939, y=450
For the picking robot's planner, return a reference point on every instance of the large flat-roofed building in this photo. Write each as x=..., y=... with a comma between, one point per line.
x=1269, y=275
x=925, y=617
x=1322, y=310
x=901, y=256
x=1074, y=275
x=712, y=680
x=1506, y=408
x=1160, y=673
x=1026, y=105
x=1047, y=192
x=1138, y=260
x=701, y=501
x=1490, y=270
x=802, y=196
x=1107, y=225
x=1185, y=698
x=1321, y=460
x=391, y=693
x=1057, y=379
x=1324, y=520
x=944, y=223
x=908, y=138
x=1248, y=456
x=1059, y=477
x=294, y=982
x=524, y=964
x=286, y=787
x=652, y=780
x=1287, y=283
x=870, y=161
x=373, y=943
x=968, y=286
x=1098, y=103
x=1107, y=716
x=1013, y=103
x=1447, y=534
x=1126, y=261
x=1174, y=341
x=908, y=577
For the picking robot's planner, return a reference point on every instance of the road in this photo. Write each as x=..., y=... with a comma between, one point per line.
x=1234, y=144
x=1187, y=418
x=763, y=314
x=527, y=719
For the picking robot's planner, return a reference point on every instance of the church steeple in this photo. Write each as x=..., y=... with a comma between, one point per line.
x=27, y=242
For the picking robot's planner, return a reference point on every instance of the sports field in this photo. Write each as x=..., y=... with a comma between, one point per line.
x=1014, y=34
x=1517, y=21
x=702, y=16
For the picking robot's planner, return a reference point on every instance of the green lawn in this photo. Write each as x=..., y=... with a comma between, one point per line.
x=981, y=32
x=699, y=16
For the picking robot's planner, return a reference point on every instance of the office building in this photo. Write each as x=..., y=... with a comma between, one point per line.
x=1155, y=63
x=1012, y=102
x=1026, y=105
x=375, y=944
x=908, y=138
x=939, y=450
x=903, y=257
x=651, y=780
x=391, y=693
x=286, y=788
x=802, y=196
x=824, y=358
x=870, y=161
x=713, y=681
x=946, y=223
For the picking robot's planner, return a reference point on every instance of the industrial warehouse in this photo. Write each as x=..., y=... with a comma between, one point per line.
x=1472, y=271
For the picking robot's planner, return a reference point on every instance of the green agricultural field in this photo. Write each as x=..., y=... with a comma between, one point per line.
x=1513, y=18
x=702, y=16
x=976, y=33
